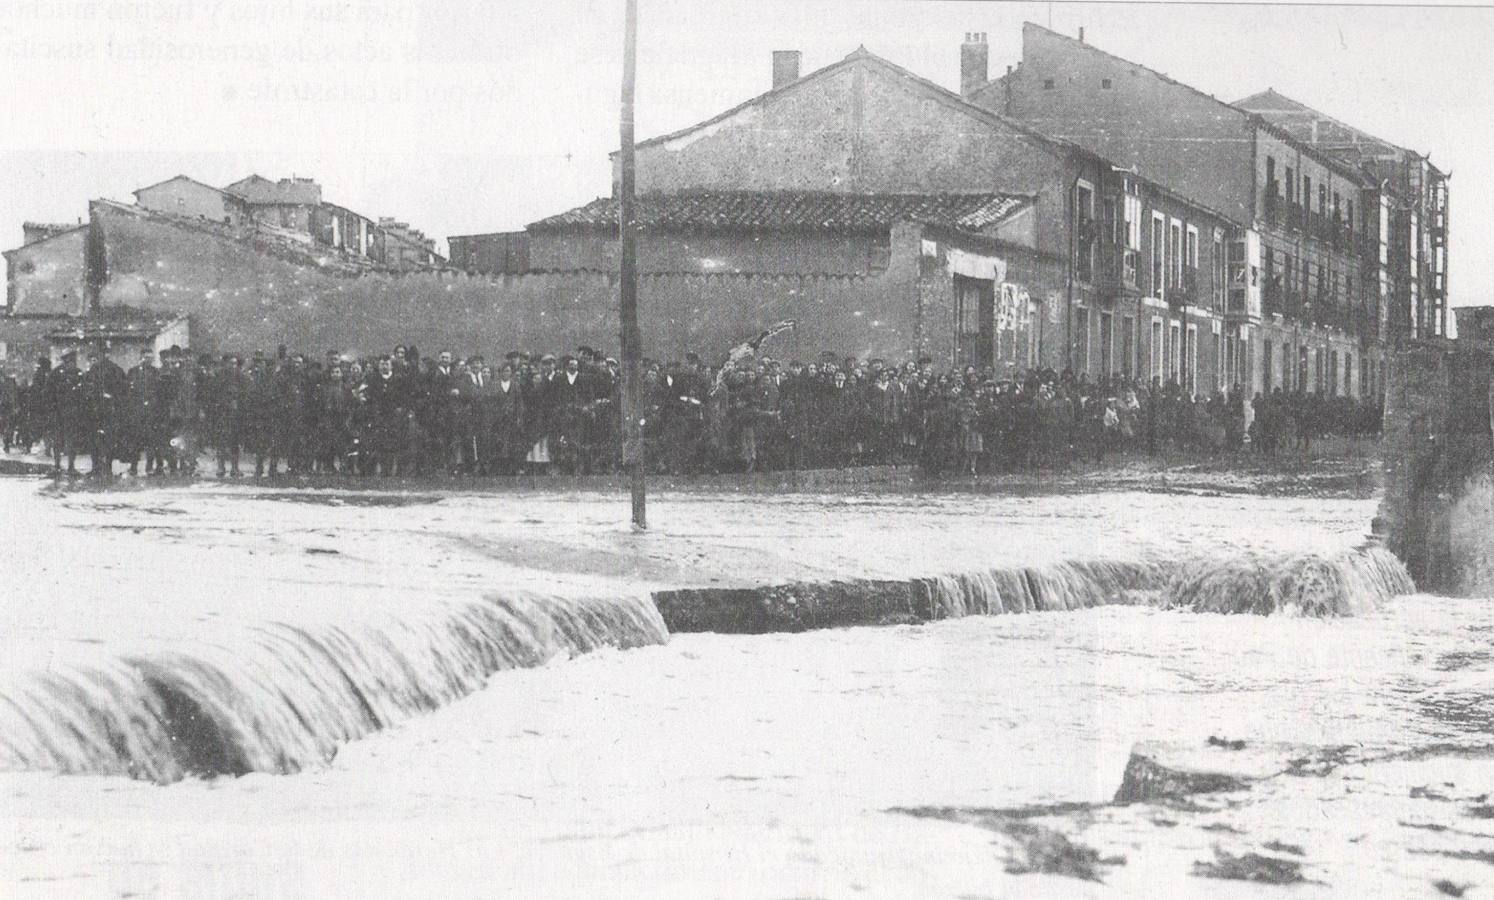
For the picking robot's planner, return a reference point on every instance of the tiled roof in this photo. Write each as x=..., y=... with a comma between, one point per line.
x=792, y=211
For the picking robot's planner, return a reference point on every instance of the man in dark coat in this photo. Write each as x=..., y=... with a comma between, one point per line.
x=444, y=393
x=261, y=415
x=103, y=393
x=230, y=395
x=64, y=396
x=143, y=412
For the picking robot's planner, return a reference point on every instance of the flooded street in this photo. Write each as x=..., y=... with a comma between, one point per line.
x=764, y=765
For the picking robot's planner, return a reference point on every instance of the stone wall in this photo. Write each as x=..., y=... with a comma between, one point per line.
x=1436, y=513
x=245, y=295
x=47, y=277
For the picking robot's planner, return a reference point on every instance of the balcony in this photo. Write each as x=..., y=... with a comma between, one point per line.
x=1184, y=290
x=1115, y=274
x=1273, y=206
x=1273, y=298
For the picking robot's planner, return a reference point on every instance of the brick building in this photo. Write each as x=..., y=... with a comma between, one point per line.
x=861, y=131
x=1325, y=271
x=494, y=253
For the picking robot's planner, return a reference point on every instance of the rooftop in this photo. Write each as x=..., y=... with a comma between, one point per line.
x=261, y=190
x=793, y=211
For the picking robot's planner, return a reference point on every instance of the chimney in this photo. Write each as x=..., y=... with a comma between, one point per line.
x=975, y=62
x=1081, y=34
x=785, y=67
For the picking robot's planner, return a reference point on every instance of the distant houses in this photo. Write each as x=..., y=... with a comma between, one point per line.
x=69, y=282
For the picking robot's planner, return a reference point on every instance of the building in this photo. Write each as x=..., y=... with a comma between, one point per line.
x=956, y=274
x=815, y=176
x=121, y=332
x=405, y=246
x=1406, y=227
x=191, y=199
x=496, y=253
x=1318, y=284
x=288, y=203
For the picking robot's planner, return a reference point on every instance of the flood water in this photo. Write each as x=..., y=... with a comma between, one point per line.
x=597, y=754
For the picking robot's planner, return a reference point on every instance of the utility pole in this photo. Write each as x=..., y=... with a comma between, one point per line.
x=628, y=279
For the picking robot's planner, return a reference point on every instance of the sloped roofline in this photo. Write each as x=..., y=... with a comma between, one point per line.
x=1360, y=132
x=1254, y=118
x=137, y=191
x=53, y=236
x=547, y=224
x=861, y=54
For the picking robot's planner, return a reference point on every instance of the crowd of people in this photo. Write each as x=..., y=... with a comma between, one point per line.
x=406, y=414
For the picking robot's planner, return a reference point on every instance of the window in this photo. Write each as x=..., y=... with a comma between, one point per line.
x=1218, y=269
x=1219, y=373
x=1133, y=222
x=1190, y=354
x=1155, y=371
x=1159, y=253
x=1105, y=83
x=1322, y=200
x=1349, y=216
x=1047, y=84
x=1175, y=352
x=1174, y=253
x=1081, y=328
x=1291, y=185
x=1107, y=338
x=1270, y=173
x=1128, y=345
x=1266, y=360
x=1112, y=223
x=1084, y=215
x=1131, y=236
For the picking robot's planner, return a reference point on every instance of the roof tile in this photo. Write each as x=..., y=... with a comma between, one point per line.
x=792, y=211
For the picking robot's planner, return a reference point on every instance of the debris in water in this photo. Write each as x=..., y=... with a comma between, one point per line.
x=1250, y=867
x=1283, y=847
x=1225, y=743
x=1036, y=849
x=1450, y=889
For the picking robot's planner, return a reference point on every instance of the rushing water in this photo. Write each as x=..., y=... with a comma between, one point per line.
x=203, y=630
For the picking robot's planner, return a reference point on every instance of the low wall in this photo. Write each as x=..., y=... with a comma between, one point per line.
x=244, y=297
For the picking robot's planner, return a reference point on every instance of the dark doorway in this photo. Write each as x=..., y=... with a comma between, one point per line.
x=975, y=322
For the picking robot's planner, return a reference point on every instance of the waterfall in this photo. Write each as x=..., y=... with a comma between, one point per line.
x=279, y=698
x=1352, y=582
x=1077, y=584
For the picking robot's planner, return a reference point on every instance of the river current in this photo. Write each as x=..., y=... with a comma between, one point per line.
x=576, y=748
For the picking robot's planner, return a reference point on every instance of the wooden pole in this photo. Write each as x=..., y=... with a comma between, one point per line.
x=628, y=280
